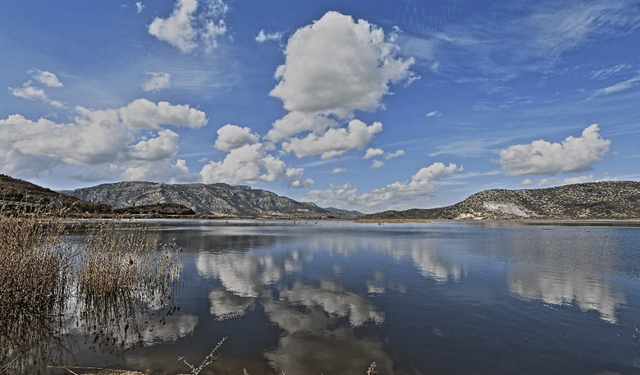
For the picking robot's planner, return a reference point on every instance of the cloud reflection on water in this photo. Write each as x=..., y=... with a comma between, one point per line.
x=244, y=274
x=557, y=288
x=315, y=338
x=311, y=343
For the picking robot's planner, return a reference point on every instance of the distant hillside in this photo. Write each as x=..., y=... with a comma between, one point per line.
x=16, y=193
x=617, y=200
x=210, y=199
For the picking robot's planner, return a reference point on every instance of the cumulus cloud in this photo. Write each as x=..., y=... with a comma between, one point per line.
x=336, y=66
x=338, y=170
x=389, y=156
x=232, y=136
x=298, y=122
x=293, y=179
x=577, y=180
x=421, y=187
x=106, y=139
x=177, y=29
x=139, y=7
x=144, y=114
x=185, y=27
x=332, y=68
x=30, y=92
x=46, y=78
x=334, y=142
x=377, y=164
x=372, y=153
x=542, y=157
x=157, y=81
x=263, y=37
x=163, y=146
x=527, y=182
x=545, y=182
x=250, y=163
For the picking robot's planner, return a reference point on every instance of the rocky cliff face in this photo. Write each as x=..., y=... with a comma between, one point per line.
x=618, y=200
x=210, y=199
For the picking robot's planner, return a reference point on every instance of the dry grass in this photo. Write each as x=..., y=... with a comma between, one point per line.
x=125, y=261
x=36, y=266
x=112, y=277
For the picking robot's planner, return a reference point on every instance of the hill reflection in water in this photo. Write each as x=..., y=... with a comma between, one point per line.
x=415, y=298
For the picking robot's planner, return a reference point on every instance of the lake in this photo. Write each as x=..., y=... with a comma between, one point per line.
x=416, y=298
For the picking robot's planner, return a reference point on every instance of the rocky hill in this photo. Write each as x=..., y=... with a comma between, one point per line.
x=613, y=200
x=16, y=193
x=220, y=200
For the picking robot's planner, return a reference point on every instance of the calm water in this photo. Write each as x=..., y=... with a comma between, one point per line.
x=433, y=298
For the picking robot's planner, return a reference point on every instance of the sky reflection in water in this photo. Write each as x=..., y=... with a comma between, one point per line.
x=416, y=298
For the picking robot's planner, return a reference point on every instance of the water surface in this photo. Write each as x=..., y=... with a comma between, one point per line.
x=416, y=298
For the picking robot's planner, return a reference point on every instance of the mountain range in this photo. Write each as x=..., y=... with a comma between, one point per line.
x=607, y=200
x=217, y=200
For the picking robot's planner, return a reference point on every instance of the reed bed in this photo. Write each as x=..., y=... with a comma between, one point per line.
x=107, y=285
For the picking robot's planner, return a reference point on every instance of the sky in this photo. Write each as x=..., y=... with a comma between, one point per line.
x=368, y=105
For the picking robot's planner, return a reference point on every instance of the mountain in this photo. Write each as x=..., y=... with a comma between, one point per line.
x=20, y=193
x=220, y=200
x=617, y=200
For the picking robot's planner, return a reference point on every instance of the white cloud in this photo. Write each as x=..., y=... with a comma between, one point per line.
x=433, y=114
x=377, y=164
x=577, y=180
x=618, y=87
x=263, y=37
x=544, y=182
x=158, y=170
x=606, y=73
x=103, y=138
x=139, y=7
x=46, y=78
x=541, y=157
x=421, y=187
x=334, y=142
x=177, y=29
x=184, y=29
x=298, y=122
x=157, y=81
x=299, y=184
x=250, y=163
x=75, y=144
x=33, y=93
x=556, y=29
x=338, y=170
x=388, y=156
x=336, y=66
x=232, y=136
x=527, y=182
x=372, y=153
x=162, y=147
x=143, y=114
x=292, y=179
x=29, y=92
x=521, y=37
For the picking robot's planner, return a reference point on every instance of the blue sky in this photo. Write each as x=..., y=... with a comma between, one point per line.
x=367, y=105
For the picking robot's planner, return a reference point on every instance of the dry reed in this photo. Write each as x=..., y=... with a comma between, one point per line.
x=112, y=277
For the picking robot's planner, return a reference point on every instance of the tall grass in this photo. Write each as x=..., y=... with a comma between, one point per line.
x=111, y=277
